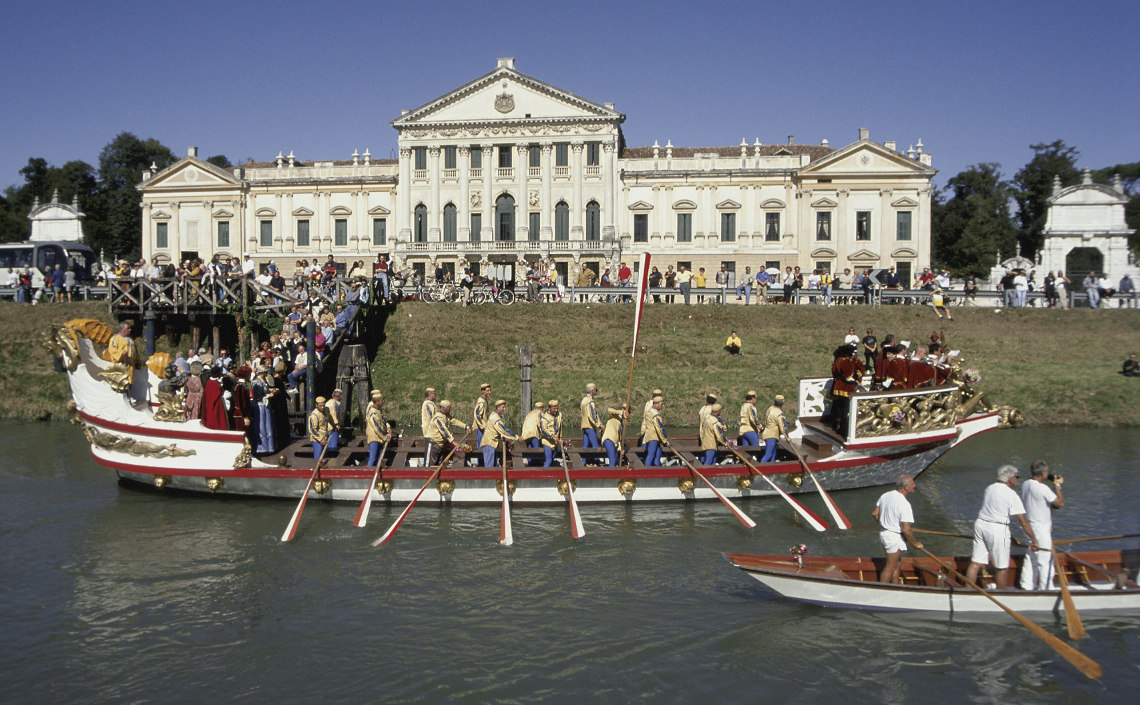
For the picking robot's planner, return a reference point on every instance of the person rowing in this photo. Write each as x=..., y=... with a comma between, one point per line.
x=895, y=517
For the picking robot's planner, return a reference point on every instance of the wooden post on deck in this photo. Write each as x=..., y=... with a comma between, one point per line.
x=526, y=361
x=353, y=380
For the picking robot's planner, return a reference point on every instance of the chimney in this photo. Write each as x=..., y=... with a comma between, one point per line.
x=609, y=105
x=1118, y=184
x=1056, y=184
x=192, y=151
x=507, y=63
x=864, y=133
x=890, y=146
x=791, y=139
x=825, y=143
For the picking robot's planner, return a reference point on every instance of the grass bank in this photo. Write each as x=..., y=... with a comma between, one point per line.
x=1058, y=367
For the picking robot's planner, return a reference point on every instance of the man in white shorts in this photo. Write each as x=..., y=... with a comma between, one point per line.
x=895, y=515
x=991, y=530
x=1040, y=501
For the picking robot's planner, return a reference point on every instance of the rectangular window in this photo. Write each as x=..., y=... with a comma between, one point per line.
x=476, y=157
x=449, y=223
x=641, y=227
x=823, y=226
x=223, y=233
x=593, y=153
x=771, y=227
x=561, y=222
x=863, y=225
x=562, y=154
x=380, y=232
x=267, y=233
x=903, y=269
x=161, y=237
x=420, y=154
x=684, y=227
x=476, y=226
x=302, y=233
x=772, y=264
x=536, y=156
x=728, y=227
x=535, y=222
x=340, y=232
x=449, y=157
x=902, y=231
x=504, y=156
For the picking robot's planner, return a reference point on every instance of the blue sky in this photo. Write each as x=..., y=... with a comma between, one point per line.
x=976, y=81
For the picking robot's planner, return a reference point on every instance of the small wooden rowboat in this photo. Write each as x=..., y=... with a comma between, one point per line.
x=1098, y=580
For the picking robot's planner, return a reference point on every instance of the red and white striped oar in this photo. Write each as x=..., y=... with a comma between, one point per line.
x=744, y=518
x=576, y=528
x=366, y=503
x=400, y=520
x=840, y=519
x=809, y=516
x=506, y=536
x=291, y=529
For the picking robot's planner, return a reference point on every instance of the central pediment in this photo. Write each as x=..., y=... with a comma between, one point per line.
x=505, y=95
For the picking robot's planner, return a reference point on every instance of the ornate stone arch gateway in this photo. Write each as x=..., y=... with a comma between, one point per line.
x=1087, y=217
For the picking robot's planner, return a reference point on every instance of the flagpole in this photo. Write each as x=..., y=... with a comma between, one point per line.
x=642, y=289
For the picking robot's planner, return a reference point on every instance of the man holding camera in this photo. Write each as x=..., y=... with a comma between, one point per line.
x=1039, y=500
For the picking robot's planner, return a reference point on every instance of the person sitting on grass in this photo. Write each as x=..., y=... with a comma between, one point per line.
x=732, y=345
x=1131, y=367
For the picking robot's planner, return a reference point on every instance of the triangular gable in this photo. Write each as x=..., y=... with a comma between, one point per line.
x=160, y=215
x=188, y=173
x=379, y=210
x=905, y=202
x=640, y=206
x=863, y=256
x=505, y=94
x=728, y=205
x=866, y=157
x=222, y=213
x=825, y=203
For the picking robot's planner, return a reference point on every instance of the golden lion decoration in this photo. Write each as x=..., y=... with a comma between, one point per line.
x=511, y=484
x=563, y=489
x=686, y=485
x=122, y=444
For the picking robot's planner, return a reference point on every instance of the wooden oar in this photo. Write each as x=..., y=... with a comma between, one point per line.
x=291, y=528
x=840, y=520
x=940, y=533
x=576, y=529
x=362, y=513
x=1100, y=538
x=506, y=536
x=400, y=520
x=809, y=516
x=1084, y=664
x=744, y=518
x=1072, y=618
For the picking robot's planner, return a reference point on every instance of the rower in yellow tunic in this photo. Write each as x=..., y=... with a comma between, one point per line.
x=482, y=412
x=645, y=412
x=591, y=424
x=773, y=427
x=655, y=435
x=439, y=434
x=332, y=410
x=318, y=426
x=529, y=434
x=710, y=399
x=749, y=421
x=713, y=430
x=496, y=432
x=375, y=428
x=121, y=347
x=427, y=410
x=612, y=437
x=550, y=431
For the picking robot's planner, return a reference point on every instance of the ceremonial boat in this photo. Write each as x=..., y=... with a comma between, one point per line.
x=1097, y=581
x=144, y=437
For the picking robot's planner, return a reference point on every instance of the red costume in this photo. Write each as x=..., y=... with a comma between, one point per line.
x=895, y=369
x=214, y=407
x=919, y=374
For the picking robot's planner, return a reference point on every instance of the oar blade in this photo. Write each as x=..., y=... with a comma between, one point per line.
x=365, y=504
x=506, y=535
x=295, y=520
x=741, y=516
x=808, y=515
x=1072, y=618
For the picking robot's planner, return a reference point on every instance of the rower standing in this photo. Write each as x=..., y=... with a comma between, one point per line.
x=749, y=421
x=439, y=432
x=611, y=438
x=529, y=434
x=332, y=410
x=591, y=424
x=318, y=427
x=495, y=432
x=773, y=425
x=375, y=427
x=550, y=430
x=427, y=411
x=655, y=434
x=713, y=435
x=710, y=399
x=482, y=412
x=991, y=529
x=646, y=411
x=895, y=517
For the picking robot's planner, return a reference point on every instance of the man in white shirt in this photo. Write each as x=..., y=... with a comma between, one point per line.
x=300, y=364
x=1040, y=501
x=247, y=266
x=895, y=516
x=991, y=529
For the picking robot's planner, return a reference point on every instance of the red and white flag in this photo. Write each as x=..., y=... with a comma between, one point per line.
x=642, y=288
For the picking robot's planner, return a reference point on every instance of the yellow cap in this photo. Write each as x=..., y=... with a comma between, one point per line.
x=429, y=390
x=320, y=400
x=658, y=392
x=716, y=408
x=484, y=386
x=750, y=393
x=445, y=404
x=539, y=405
x=779, y=397
x=552, y=402
x=500, y=402
x=591, y=387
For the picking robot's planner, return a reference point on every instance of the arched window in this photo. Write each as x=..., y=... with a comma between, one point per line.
x=505, y=218
x=449, y=232
x=593, y=221
x=420, y=233
x=562, y=221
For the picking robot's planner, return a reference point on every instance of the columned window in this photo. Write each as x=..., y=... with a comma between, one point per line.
x=536, y=156
x=771, y=227
x=593, y=221
x=449, y=157
x=641, y=227
x=534, y=225
x=728, y=227
x=684, y=227
x=902, y=231
x=476, y=226
x=161, y=237
x=380, y=232
x=223, y=233
x=419, y=233
x=863, y=225
x=420, y=155
x=505, y=214
x=340, y=232
x=449, y=223
x=302, y=233
x=823, y=226
x=476, y=157
x=593, y=153
x=267, y=233
x=562, y=221
x=504, y=156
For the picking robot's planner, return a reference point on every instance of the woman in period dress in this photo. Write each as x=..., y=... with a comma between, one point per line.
x=261, y=401
x=193, y=403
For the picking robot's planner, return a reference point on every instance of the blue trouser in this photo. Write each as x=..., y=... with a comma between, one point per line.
x=769, y=450
x=611, y=453
x=548, y=456
x=589, y=438
x=750, y=439
x=653, y=453
x=488, y=456
x=334, y=441
x=478, y=437
x=709, y=457
x=533, y=443
x=318, y=450
x=373, y=453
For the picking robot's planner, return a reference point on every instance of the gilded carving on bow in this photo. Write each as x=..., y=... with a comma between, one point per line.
x=123, y=444
x=171, y=409
x=119, y=376
x=892, y=416
x=243, y=456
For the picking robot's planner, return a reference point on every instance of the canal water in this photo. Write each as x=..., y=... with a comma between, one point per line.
x=116, y=595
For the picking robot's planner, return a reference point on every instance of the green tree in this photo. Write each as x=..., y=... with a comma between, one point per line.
x=1034, y=186
x=1130, y=180
x=121, y=164
x=219, y=160
x=972, y=225
x=74, y=180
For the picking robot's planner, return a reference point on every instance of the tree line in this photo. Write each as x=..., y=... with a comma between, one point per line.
x=974, y=219
x=976, y=216
x=107, y=194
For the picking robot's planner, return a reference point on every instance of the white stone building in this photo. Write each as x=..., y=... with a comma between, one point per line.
x=508, y=169
x=1088, y=216
x=55, y=221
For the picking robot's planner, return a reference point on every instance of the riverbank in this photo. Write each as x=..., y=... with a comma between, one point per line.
x=1058, y=367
